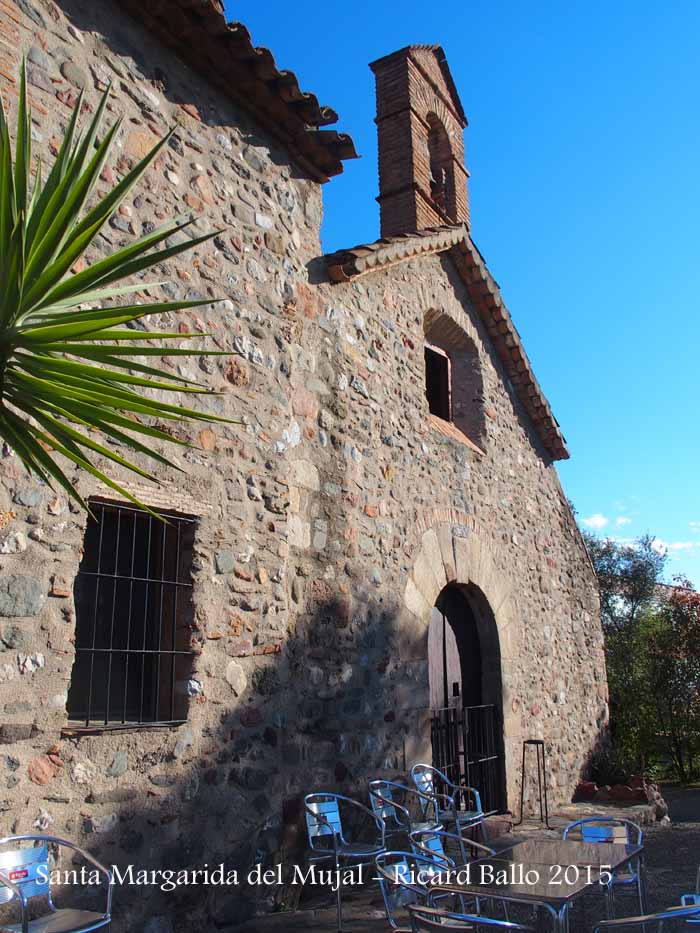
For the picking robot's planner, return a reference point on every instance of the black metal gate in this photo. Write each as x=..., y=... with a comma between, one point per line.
x=467, y=746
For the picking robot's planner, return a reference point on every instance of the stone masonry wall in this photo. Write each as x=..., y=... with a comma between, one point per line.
x=328, y=519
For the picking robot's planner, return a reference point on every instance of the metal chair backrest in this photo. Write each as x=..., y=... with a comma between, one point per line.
x=381, y=800
x=430, y=844
x=606, y=829
x=433, y=842
x=404, y=878
x=423, y=776
x=28, y=869
x=322, y=813
x=398, y=874
x=430, y=782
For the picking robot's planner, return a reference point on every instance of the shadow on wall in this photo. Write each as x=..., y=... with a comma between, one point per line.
x=124, y=38
x=319, y=715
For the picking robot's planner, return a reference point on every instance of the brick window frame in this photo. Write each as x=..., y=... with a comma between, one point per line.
x=465, y=412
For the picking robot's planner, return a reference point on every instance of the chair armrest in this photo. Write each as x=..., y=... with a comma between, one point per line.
x=460, y=840
x=479, y=846
x=409, y=790
x=670, y=913
x=450, y=800
x=390, y=803
x=429, y=853
x=435, y=914
x=19, y=893
x=471, y=791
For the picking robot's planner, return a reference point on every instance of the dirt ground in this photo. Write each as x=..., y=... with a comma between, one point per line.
x=672, y=856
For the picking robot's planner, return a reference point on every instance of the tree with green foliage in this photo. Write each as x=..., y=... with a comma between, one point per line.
x=628, y=580
x=672, y=675
x=628, y=577
x=652, y=651
x=70, y=387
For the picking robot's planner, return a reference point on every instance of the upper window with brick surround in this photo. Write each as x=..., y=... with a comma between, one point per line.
x=133, y=603
x=453, y=381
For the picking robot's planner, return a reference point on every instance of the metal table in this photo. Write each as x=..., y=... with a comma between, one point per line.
x=547, y=873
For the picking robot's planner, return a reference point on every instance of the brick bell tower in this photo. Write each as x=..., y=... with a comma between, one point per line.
x=420, y=124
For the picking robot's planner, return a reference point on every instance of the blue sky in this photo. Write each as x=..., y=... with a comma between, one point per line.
x=584, y=153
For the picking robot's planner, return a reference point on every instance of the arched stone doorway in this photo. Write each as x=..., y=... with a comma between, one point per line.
x=464, y=669
x=451, y=551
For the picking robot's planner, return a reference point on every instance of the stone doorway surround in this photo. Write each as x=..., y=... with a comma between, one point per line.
x=450, y=550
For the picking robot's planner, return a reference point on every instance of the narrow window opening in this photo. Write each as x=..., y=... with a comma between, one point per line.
x=133, y=602
x=437, y=382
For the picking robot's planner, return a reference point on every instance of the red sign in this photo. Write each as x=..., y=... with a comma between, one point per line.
x=18, y=874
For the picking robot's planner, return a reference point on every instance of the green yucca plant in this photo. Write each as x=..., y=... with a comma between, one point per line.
x=67, y=373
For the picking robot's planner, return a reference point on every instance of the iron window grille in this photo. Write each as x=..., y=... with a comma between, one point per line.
x=133, y=601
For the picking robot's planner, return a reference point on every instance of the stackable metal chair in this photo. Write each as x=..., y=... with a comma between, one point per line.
x=434, y=920
x=686, y=914
x=412, y=811
x=454, y=803
x=623, y=832
x=693, y=900
x=433, y=842
x=405, y=878
x=25, y=876
x=327, y=839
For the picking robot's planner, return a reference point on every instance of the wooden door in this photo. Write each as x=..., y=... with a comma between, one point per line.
x=444, y=666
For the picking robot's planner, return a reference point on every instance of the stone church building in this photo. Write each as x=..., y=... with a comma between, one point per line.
x=378, y=544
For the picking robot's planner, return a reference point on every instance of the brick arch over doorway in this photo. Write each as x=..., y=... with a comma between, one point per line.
x=451, y=551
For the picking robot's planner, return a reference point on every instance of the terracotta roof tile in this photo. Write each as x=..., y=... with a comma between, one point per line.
x=485, y=294
x=224, y=53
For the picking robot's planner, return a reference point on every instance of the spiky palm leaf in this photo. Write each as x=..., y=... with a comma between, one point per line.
x=66, y=373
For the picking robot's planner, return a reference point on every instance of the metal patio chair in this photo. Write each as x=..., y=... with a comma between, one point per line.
x=397, y=814
x=327, y=839
x=434, y=920
x=25, y=876
x=686, y=914
x=405, y=878
x=624, y=832
x=693, y=900
x=455, y=803
x=434, y=842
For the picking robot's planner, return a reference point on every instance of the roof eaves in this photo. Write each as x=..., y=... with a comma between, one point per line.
x=224, y=53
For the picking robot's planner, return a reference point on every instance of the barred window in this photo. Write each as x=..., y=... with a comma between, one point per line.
x=133, y=602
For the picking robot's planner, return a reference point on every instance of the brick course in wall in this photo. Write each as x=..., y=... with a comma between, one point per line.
x=328, y=518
